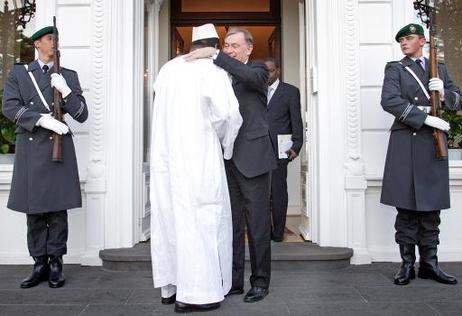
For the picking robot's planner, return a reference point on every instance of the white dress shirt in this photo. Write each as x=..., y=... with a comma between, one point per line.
x=423, y=61
x=271, y=89
x=41, y=63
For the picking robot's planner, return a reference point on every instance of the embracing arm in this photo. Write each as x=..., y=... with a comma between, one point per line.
x=255, y=76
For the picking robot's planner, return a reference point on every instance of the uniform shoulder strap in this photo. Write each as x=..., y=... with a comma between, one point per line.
x=31, y=75
x=418, y=80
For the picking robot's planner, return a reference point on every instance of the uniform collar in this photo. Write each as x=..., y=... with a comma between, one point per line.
x=41, y=64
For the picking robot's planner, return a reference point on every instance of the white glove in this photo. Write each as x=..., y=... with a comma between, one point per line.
x=48, y=122
x=436, y=84
x=436, y=122
x=58, y=82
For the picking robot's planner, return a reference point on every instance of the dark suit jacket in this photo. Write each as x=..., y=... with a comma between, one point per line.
x=414, y=178
x=253, y=152
x=284, y=116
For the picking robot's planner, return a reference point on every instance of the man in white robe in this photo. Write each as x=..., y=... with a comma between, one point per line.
x=195, y=122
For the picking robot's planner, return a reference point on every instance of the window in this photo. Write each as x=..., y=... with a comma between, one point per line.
x=449, y=40
x=15, y=46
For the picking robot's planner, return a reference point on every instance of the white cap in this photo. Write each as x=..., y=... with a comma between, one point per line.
x=203, y=32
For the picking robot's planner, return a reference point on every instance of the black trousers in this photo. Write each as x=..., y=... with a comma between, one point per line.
x=279, y=199
x=417, y=228
x=250, y=205
x=47, y=234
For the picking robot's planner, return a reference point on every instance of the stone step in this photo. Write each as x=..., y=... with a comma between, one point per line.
x=284, y=256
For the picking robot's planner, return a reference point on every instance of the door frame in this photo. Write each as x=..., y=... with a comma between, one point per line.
x=309, y=226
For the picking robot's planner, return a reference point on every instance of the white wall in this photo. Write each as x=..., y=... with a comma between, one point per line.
x=377, y=47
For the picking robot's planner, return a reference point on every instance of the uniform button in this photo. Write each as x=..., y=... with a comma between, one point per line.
x=414, y=134
x=31, y=103
x=31, y=139
x=416, y=98
x=51, y=137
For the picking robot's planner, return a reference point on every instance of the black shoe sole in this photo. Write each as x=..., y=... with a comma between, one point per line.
x=56, y=285
x=235, y=292
x=168, y=300
x=42, y=279
x=28, y=286
x=411, y=277
x=254, y=299
x=190, y=309
x=396, y=282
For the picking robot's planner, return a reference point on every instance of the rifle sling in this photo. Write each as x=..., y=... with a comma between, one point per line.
x=37, y=88
x=418, y=81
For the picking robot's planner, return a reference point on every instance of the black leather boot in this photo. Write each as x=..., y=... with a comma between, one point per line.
x=406, y=271
x=56, y=278
x=429, y=268
x=39, y=273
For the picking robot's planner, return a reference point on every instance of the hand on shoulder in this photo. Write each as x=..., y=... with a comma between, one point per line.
x=204, y=52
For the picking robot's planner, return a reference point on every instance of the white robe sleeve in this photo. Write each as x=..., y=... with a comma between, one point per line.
x=224, y=109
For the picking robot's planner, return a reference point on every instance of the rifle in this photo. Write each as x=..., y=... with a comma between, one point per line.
x=427, y=14
x=57, y=155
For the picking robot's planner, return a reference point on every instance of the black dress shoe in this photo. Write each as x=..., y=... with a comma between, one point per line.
x=56, y=278
x=277, y=239
x=188, y=308
x=255, y=294
x=39, y=273
x=168, y=300
x=235, y=291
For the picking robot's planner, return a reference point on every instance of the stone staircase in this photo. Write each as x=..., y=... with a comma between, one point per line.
x=284, y=255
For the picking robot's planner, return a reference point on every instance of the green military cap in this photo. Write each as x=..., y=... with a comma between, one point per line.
x=43, y=31
x=410, y=29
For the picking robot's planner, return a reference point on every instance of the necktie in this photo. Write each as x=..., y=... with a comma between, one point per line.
x=45, y=68
x=270, y=94
x=420, y=63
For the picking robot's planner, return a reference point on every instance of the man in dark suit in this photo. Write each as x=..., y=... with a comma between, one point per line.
x=284, y=117
x=249, y=171
x=41, y=188
x=415, y=181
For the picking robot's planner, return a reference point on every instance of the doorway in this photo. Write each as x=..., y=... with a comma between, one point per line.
x=261, y=18
x=278, y=28
x=266, y=39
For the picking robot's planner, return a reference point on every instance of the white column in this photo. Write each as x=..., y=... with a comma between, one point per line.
x=304, y=30
x=95, y=187
x=123, y=104
x=355, y=181
x=138, y=112
x=330, y=120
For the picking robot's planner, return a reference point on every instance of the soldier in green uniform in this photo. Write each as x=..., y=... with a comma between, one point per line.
x=414, y=180
x=43, y=189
